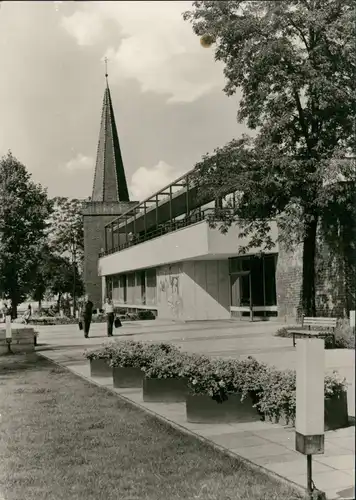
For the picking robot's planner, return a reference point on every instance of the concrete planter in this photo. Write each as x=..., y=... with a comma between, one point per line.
x=336, y=415
x=100, y=368
x=165, y=390
x=127, y=377
x=203, y=409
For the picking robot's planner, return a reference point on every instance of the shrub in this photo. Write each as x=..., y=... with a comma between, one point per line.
x=167, y=365
x=213, y=377
x=144, y=315
x=58, y=320
x=106, y=351
x=273, y=391
x=278, y=395
x=139, y=354
x=334, y=384
x=344, y=334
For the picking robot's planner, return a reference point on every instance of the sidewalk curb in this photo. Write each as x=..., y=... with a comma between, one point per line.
x=184, y=430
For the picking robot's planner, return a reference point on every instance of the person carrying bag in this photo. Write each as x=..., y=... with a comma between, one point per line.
x=110, y=316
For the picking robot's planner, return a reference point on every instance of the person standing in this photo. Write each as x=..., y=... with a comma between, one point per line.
x=28, y=314
x=110, y=316
x=87, y=315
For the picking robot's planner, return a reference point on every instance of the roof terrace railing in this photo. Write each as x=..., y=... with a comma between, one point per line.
x=207, y=214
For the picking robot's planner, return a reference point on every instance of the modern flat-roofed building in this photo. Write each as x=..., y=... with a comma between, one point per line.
x=162, y=254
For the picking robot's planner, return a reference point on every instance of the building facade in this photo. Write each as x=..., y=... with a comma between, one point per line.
x=163, y=255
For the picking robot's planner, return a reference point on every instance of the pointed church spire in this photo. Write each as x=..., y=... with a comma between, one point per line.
x=109, y=178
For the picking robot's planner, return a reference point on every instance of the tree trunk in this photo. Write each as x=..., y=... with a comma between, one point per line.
x=39, y=305
x=309, y=261
x=14, y=304
x=74, y=288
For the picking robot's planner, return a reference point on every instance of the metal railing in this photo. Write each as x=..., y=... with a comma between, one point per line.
x=211, y=214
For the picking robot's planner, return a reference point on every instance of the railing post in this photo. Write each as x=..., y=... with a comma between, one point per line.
x=144, y=217
x=156, y=210
x=170, y=206
x=112, y=236
x=187, y=197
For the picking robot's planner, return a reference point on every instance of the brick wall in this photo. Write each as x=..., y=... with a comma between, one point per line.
x=289, y=282
x=332, y=278
x=95, y=216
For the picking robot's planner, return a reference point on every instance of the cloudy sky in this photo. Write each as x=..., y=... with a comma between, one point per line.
x=166, y=91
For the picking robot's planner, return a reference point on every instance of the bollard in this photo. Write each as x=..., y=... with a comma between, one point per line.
x=309, y=422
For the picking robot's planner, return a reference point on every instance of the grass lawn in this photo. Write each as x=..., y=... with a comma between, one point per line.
x=64, y=438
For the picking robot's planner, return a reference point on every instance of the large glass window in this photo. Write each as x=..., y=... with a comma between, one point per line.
x=131, y=288
x=143, y=286
x=123, y=289
x=253, y=282
x=151, y=287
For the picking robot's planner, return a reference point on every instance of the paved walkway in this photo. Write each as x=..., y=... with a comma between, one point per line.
x=270, y=446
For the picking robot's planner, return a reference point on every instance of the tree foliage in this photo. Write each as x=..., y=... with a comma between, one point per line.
x=294, y=63
x=24, y=209
x=61, y=271
x=66, y=234
x=54, y=275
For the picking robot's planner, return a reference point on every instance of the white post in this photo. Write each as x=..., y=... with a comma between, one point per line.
x=8, y=327
x=310, y=400
x=352, y=319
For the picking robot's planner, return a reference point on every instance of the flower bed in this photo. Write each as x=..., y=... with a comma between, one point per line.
x=99, y=359
x=278, y=399
x=131, y=358
x=58, y=320
x=218, y=390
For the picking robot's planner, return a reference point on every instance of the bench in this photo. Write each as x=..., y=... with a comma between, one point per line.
x=329, y=323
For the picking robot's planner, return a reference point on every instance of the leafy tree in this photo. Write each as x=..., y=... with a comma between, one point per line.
x=41, y=277
x=66, y=234
x=24, y=208
x=54, y=275
x=294, y=63
x=61, y=271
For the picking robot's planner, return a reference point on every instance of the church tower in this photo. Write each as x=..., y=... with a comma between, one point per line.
x=110, y=198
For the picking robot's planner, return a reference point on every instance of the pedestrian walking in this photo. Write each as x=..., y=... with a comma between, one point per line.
x=110, y=316
x=28, y=314
x=87, y=313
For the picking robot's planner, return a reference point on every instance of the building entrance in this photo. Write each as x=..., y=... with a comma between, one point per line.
x=253, y=286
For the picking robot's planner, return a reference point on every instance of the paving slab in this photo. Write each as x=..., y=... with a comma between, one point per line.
x=271, y=446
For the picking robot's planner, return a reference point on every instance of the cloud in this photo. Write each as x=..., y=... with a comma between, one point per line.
x=85, y=26
x=80, y=162
x=146, y=181
x=156, y=47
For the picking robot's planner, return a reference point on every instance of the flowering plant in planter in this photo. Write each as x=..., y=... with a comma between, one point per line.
x=212, y=377
x=106, y=351
x=167, y=365
x=249, y=377
x=139, y=354
x=277, y=397
x=334, y=385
